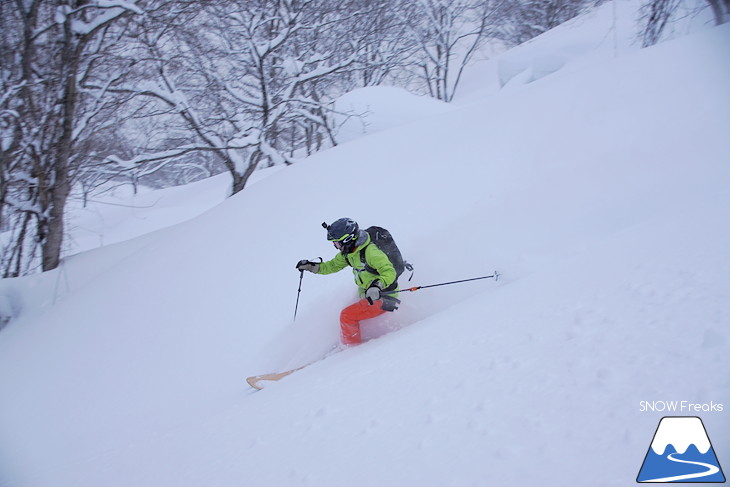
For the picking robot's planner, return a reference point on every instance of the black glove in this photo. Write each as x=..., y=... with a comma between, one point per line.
x=305, y=265
x=373, y=292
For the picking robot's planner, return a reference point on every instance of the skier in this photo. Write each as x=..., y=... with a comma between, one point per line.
x=374, y=277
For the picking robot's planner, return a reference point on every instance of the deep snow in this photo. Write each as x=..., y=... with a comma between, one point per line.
x=599, y=192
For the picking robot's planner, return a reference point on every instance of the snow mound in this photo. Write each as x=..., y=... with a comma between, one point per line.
x=377, y=108
x=591, y=39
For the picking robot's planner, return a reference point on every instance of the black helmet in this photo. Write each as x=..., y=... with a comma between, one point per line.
x=343, y=233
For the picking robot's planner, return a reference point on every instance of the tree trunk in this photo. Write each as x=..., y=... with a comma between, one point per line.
x=721, y=10
x=240, y=180
x=16, y=255
x=54, y=228
x=52, y=242
x=238, y=183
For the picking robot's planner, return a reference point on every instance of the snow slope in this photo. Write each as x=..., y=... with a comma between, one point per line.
x=600, y=194
x=378, y=108
x=591, y=39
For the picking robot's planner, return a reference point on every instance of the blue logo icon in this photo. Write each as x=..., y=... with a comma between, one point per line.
x=680, y=452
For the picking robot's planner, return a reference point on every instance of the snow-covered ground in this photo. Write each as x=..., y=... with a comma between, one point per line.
x=599, y=192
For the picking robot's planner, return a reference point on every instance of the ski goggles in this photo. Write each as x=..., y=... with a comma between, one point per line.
x=342, y=241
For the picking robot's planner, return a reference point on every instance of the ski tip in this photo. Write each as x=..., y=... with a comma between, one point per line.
x=254, y=382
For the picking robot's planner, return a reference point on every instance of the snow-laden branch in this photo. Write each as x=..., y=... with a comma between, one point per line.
x=110, y=11
x=137, y=161
x=12, y=91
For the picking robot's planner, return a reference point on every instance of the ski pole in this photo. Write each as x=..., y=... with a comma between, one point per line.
x=411, y=289
x=299, y=291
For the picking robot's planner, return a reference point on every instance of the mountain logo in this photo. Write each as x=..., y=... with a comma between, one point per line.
x=680, y=452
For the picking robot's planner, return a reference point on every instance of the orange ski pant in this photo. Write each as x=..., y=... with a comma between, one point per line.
x=352, y=315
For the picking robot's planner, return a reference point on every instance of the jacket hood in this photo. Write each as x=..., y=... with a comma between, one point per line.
x=362, y=238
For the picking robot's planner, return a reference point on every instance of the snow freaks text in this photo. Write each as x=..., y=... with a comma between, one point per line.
x=680, y=407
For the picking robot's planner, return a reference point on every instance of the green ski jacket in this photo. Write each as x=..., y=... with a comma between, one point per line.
x=375, y=258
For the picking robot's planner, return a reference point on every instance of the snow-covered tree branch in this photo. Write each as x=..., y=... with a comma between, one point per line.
x=264, y=64
x=52, y=47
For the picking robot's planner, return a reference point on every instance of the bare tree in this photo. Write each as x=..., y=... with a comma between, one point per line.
x=530, y=18
x=57, y=47
x=656, y=15
x=447, y=34
x=246, y=81
x=386, y=52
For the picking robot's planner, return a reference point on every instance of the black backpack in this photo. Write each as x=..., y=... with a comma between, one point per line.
x=384, y=241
